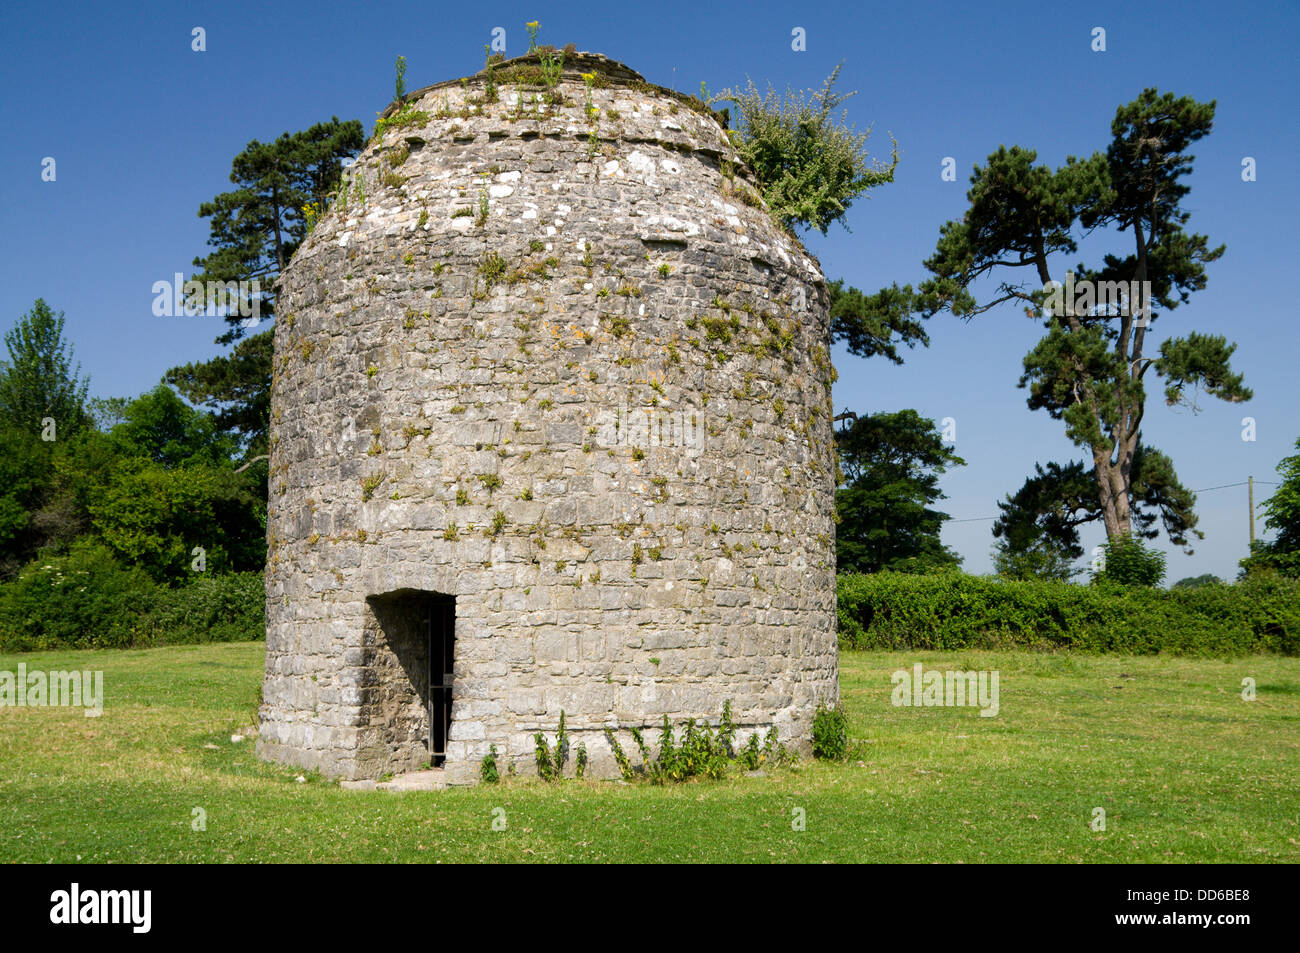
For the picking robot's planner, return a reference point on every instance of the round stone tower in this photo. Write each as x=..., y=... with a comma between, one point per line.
x=550, y=432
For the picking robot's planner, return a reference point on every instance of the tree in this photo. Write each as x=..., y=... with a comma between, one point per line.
x=24, y=483
x=1037, y=531
x=153, y=517
x=255, y=230
x=1282, y=511
x=1089, y=370
x=38, y=381
x=868, y=326
x=257, y=227
x=160, y=427
x=890, y=464
x=1198, y=582
x=1038, y=528
x=160, y=482
x=237, y=386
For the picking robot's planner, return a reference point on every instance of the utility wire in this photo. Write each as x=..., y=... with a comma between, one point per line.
x=984, y=519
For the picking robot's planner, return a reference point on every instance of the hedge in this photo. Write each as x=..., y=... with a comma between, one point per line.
x=958, y=611
x=86, y=599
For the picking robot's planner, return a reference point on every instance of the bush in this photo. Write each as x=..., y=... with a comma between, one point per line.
x=810, y=165
x=87, y=599
x=697, y=753
x=487, y=768
x=218, y=607
x=958, y=611
x=830, y=734
x=84, y=599
x=1130, y=562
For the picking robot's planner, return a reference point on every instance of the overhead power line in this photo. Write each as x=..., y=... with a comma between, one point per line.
x=1224, y=486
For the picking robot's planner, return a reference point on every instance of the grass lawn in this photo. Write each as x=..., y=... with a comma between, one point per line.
x=1185, y=769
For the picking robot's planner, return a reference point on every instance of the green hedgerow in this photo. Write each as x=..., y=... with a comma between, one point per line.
x=953, y=610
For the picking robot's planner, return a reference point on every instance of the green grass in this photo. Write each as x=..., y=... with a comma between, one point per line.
x=1186, y=770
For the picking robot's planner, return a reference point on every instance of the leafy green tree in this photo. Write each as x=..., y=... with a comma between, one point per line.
x=172, y=486
x=107, y=412
x=1282, y=511
x=890, y=464
x=160, y=427
x=25, y=478
x=39, y=380
x=153, y=517
x=1090, y=368
x=160, y=482
x=1198, y=582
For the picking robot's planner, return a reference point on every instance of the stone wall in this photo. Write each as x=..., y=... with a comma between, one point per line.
x=565, y=368
x=394, y=682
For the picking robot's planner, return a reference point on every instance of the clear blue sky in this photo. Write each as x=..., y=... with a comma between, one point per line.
x=143, y=129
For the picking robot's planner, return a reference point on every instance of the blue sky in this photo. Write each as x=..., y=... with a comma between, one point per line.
x=143, y=129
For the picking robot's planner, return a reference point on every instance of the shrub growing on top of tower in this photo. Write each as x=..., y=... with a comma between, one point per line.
x=810, y=165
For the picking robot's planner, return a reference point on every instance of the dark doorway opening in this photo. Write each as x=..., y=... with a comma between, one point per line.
x=441, y=625
x=408, y=677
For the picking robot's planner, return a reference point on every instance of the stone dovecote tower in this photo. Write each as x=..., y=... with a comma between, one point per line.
x=551, y=431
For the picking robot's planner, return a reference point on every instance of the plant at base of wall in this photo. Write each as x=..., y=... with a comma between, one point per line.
x=830, y=733
x=545, y=766
x=550, y=766
x=700, y=752
x=639, y=738
x=487, y=768
x=621, y=759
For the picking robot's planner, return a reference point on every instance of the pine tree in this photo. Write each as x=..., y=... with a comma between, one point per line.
x=255, y=230
x=1090, y=368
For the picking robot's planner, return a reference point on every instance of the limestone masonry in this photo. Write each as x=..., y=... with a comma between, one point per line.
x=551, y=431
